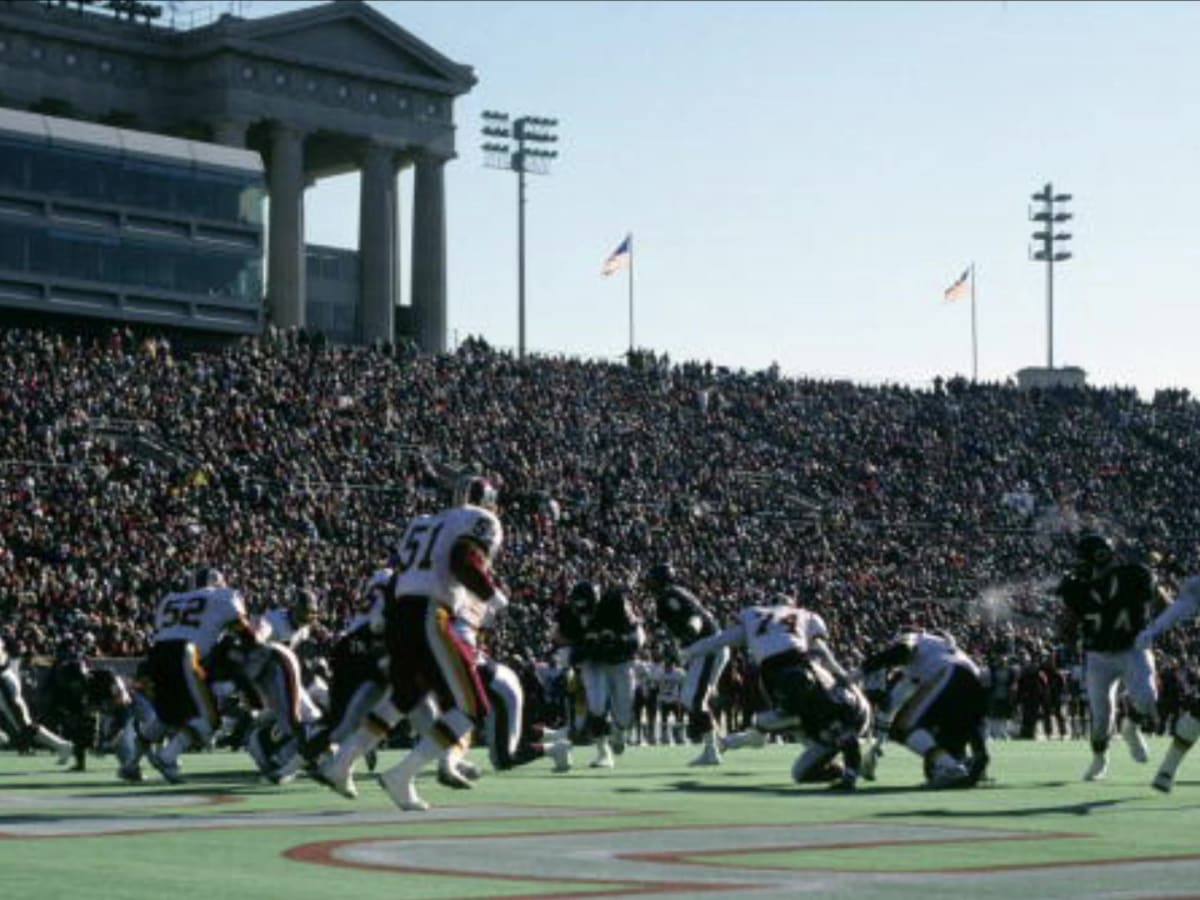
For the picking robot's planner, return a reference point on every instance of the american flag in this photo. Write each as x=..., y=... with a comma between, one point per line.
x=619, y=258
x=959, y=288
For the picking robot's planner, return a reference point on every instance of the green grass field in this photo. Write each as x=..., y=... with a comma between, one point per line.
x=651, y=827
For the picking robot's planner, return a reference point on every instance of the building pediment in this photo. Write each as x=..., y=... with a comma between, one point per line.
x=351, y=37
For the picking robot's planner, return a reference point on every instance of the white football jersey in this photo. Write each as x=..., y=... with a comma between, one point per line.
x=771, y=630
x=199, y=617
x=423, y=559
x=932, y=653
x=276, y=625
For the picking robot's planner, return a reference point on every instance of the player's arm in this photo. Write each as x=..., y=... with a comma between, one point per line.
x=734, y=635
x=1185, y=607
x=897, y=654
x=469, y=563
x=820, y=650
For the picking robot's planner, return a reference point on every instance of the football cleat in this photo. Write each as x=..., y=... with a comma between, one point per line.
x=1098, y=768
x=339, y=782
x=449, y=776
x=131, y=774
x=403, y=791
x=1163, y=781
x=708, y=757
x=1134, y=740
x=468, y=770
x=168, y=769
x=560, y=752
x=604, y=759
x=950, y=775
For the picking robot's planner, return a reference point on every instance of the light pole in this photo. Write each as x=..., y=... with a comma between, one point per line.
x=1047, y=219
x=524, y=134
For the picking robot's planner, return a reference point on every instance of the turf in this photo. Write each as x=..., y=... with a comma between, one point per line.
x=653, y=826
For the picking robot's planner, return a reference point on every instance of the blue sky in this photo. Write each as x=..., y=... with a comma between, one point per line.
x=803, y=181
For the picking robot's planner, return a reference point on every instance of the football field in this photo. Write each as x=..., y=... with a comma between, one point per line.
x=653, y=827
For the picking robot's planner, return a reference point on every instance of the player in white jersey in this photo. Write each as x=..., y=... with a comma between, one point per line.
x=936, y=705
x=15, y=715
x=188, y=625
x=443, y=572
x=807, y=686
x=773, y=636
x=275, y=671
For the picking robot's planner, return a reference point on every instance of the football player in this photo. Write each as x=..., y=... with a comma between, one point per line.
x=611, y=640
x=788, y=644
x=277, y=677
x=443, y=571
x=931, y=698
x=359, y=666
x=686, y=619
x=1106, y=604
x=570, y=622
x=14, y=712
x=1186, y=730
x=188, y=626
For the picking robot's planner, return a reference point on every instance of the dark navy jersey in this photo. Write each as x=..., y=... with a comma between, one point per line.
x=571, y=622
x=613, y=633
x=683, y=615
x=1110, y=610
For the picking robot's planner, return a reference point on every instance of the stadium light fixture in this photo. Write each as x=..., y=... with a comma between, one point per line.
x=517, y=145
x=1047, y=218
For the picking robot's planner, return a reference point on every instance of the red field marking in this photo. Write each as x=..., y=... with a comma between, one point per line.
x=323, y=853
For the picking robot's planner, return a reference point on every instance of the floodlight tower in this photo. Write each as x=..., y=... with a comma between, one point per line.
x=1047, y=219
x=525, y=133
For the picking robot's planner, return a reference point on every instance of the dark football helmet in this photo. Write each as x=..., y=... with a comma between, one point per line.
x=1093, y=553
x=475, y=490
x=584, y=596
x=659, y=575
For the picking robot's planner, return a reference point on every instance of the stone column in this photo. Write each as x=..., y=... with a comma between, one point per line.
x=377, y=244
x=286, y=288
x=230, y=132
x=429, y=253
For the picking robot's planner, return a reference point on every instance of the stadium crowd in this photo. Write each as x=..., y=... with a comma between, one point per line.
x=125, y=461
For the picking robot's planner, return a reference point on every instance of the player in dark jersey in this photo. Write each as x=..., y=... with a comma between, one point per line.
x=686, y=620
x=611, y=640
x=1106, y=604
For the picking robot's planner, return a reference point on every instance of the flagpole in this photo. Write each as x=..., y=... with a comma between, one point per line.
x=974, y=339
x=631, y=293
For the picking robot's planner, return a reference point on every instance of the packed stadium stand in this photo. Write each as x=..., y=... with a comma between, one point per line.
x=125, y=461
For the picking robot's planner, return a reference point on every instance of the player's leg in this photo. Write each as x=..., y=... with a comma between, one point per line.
x=1101, y=680
x=594, y=679
x=1142, y=688
x=1183, y=737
